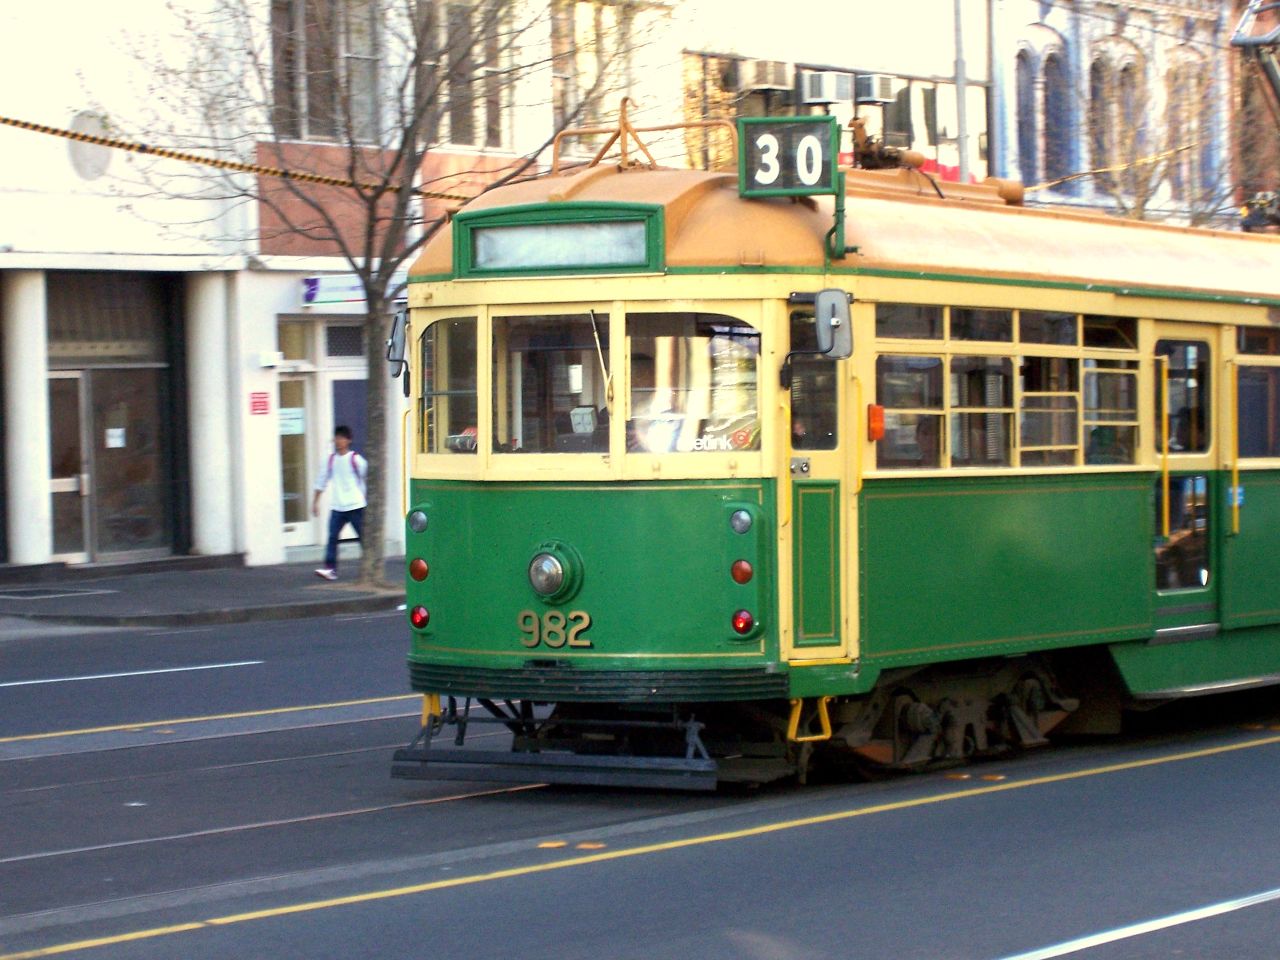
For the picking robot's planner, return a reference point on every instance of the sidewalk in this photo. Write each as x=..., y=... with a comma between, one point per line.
x=174, y=594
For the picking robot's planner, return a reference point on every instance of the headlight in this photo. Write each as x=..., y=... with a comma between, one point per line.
x=418, y=521
x=740, y=521
x=546, y=574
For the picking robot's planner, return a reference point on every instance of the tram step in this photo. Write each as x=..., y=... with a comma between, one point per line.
x=663, y=773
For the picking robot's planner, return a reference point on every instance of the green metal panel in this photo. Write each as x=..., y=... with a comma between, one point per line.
x=1165, y=669
x=1251, y=559
x=653, y=561
x=816, y=562
x=953, y=568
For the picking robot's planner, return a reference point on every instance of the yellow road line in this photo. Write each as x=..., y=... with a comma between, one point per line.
x=747, y=832
x=217, y=716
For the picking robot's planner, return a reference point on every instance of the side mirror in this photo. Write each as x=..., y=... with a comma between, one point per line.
x=833, y=327
x=395, y=347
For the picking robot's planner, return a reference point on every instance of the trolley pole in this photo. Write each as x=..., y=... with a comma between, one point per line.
x=962, y=131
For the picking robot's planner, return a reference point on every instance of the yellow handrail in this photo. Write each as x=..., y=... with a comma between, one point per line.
x=1164, y=445
x=404, y=473
x=1235, y=448
x=859, y=435
x=824, y=722
x=784, y=485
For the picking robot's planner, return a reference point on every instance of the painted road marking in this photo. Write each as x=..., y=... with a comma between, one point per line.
x=1150, y=926
x=133, y=673
x=606, y=856
x=147, y=725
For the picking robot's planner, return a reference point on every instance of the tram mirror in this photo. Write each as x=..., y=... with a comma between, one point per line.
x=395, y=347
x=833, y=329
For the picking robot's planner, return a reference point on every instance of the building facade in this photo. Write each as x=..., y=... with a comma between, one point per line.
x=178, y=345
x=1123, y=107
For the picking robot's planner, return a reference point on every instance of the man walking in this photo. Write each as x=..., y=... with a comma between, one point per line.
x=348, y=471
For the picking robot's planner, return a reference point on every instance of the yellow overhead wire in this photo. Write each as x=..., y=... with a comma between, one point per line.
x=1116, y=168
x=235, y=165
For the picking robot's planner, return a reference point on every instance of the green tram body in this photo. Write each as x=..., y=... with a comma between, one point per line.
x=901, y=616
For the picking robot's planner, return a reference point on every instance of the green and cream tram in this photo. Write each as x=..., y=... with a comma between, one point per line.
x=660, y=535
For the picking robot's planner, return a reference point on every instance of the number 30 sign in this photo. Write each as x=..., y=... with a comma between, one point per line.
x=787, y=156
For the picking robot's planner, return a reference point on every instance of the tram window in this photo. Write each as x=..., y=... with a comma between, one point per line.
x=1182, y=558
x=692, y=383
x=447, y=412
x=1110, y=412
x=981, y=411
x=813, y=389
x=1188, y=396
x=1259, y=340
x=968, y=323
x=1037, y=326
x=549, y=383
x=1048, y=425
x=1258, y=411
x=908, y=321
x=910, y=388
x=1110, y=333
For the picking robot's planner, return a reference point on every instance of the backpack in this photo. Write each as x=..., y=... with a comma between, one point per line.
x=355, y=467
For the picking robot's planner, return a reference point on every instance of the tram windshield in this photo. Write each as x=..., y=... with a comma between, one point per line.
x=692, y=383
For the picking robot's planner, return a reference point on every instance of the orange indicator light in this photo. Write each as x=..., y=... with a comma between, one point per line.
x=875, y=422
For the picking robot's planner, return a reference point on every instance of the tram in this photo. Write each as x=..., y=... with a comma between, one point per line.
x=716, y=476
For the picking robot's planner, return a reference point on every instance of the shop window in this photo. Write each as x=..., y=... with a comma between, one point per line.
x=910, y=390
x=448, y=403
x=343, y=342
x=1258, y=411
x=968, y=323
x=1188, y=413
x=908, y=321
x=813, y=389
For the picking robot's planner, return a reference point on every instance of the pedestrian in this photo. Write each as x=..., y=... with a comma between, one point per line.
x=348, y=471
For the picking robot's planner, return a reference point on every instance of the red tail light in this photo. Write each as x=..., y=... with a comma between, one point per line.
x=741, y=571
x=743, y=621
x=418, y=569
x=419, y=617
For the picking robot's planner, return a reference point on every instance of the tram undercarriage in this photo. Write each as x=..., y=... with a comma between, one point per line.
x=916, y=719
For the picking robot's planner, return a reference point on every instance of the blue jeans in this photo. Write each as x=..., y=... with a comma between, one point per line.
x=337, y=520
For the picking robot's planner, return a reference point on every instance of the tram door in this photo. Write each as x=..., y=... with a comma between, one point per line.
x=822, y=521
x=1189, y=495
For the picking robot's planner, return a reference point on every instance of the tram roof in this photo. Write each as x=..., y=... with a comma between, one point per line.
x=898, y=223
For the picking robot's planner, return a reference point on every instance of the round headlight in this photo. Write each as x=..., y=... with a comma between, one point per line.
x=740, y=521
x=546, y=574
x=418, y=521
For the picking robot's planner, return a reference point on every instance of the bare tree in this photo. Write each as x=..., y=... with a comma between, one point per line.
x=361, y=93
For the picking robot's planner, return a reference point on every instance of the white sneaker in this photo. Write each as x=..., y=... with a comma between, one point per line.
x=327, y=573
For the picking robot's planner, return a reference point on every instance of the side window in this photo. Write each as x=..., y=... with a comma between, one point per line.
x=1258, y=411
x=910, y=390
x=1048, y=423
x=981, y=411
x=1188, y=396
x=1182, y=559
x=1110, y=412
x=813, y=389
x=447, y=405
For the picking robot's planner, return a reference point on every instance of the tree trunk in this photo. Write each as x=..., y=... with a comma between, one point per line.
x=372, y=547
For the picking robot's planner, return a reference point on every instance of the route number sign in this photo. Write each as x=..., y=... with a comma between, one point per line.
x=787, y=156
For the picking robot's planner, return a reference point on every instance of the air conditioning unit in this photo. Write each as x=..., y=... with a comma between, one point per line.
x=824, y=86
x=764, y=75
x=873, y=88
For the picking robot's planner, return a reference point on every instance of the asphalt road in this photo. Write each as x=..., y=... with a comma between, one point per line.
x=247, y=811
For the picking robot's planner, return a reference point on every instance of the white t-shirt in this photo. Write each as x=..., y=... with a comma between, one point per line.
x=348, y=473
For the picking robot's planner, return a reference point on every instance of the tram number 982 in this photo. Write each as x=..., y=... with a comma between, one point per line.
x=788, y=156
x=554, y=629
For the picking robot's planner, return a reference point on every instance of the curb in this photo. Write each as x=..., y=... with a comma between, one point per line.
x=376, y=603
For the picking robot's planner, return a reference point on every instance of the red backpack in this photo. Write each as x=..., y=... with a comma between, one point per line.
x=355, y=466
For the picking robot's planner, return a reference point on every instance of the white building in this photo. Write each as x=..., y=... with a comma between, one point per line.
x=167, y=386
x=1138, y=91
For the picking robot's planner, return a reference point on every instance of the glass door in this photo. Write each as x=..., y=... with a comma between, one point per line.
x=69, y=475
x=295, y=468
